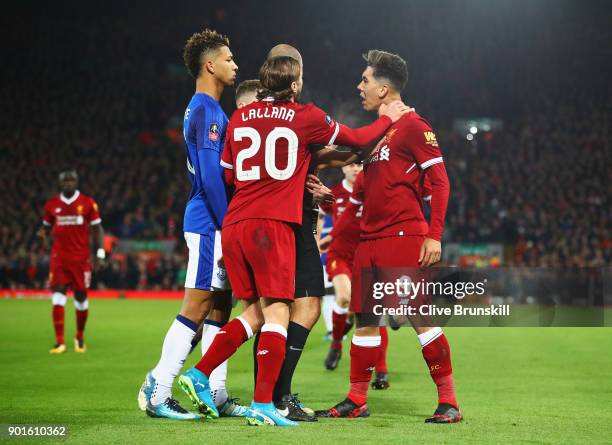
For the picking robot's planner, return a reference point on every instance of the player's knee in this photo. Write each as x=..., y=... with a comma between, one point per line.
x=80, y=296
x=306, y=311
x=343, y=300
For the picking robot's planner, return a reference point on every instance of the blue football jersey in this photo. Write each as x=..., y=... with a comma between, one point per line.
x=204, y=132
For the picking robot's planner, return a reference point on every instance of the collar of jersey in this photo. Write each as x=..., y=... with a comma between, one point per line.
x=347, y=186
x=69, y=201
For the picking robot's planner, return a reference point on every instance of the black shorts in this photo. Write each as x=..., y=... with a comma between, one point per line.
x=309, y=269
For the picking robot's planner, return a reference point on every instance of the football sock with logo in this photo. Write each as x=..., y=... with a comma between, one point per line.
x=226, y=342
x=381, y=364
x=364, y=354
x=339, y=316
x=59, y=300
x=82, y=311
x=436, y=352
x=270, y=356
x=174, y=352
x=218, y=377
x=296, y=340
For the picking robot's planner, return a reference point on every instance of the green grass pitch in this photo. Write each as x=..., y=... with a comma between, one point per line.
x=515, y=385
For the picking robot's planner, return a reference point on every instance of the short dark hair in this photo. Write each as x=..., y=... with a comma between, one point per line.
x=67, y=172
x=389, y=66
x=248, y=86
x=276, y=76
x=198, y=45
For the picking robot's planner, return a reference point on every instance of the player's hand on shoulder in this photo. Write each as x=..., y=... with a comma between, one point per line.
x=431, y=252
x=394, y=110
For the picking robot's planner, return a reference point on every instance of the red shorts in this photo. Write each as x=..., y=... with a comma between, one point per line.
x=337, y=265
x=259, y=256
x=374, y=262
x=76, y=275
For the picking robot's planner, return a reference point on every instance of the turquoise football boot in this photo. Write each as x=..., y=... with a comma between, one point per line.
x=267, y=414
x=195, y=384
x=170, y=409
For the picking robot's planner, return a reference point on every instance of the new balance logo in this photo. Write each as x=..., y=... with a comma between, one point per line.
x=262, y=352
x=370, y=369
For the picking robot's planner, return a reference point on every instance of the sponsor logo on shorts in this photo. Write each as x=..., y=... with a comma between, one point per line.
x=221, y=274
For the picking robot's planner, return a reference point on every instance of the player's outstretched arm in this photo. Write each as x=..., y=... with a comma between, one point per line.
x=330, y=157
x=364, y=136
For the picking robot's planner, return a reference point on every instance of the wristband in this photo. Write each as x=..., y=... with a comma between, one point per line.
x=101, y=253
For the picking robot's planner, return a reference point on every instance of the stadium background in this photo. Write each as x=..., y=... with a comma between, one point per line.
x=102, y=88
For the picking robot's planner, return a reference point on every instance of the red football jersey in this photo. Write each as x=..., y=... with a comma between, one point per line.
x=70, y=220
x=266, y=145
x=346, y=238
x=342, y=192
x=394, y=179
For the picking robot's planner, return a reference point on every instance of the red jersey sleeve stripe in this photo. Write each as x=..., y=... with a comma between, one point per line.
x=335, y=135
x=354, y=201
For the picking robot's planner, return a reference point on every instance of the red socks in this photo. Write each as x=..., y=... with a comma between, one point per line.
x=58, y=323
x=365, y=352
x=381, y=364
x=436, y=352
x=225, y=343
x=339, y=317
x=270, y=357
x=81, y=320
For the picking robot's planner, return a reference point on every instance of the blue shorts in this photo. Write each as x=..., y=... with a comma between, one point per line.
x=203, y=270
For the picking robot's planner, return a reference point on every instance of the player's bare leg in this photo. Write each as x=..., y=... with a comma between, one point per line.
x=365, y=348
x=81, y=306
x=59, y=301
x=342, y=288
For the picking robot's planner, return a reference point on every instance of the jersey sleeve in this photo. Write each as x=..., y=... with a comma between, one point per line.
x=423, y=144
x=207, y=127
x=209, y=146
x=94, y=213
x=48, y=217
x=321, y=128
x=426, y=190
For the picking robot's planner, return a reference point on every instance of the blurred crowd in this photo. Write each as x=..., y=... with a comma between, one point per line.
x=104, y=92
